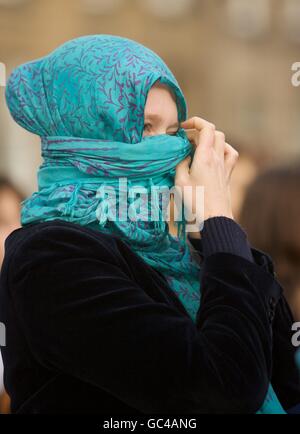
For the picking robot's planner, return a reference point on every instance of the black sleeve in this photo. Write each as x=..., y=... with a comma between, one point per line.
x=285, y=375
x=84, y=316
x=222, y=234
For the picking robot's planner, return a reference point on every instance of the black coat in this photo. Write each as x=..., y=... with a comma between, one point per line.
x=91, y=328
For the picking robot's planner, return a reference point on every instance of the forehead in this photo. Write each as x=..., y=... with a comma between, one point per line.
x=159, y=88
x=160, y=98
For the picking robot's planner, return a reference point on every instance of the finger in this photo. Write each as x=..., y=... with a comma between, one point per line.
x=219, y=144
x=196, y=123
x=193, y=136
x=206, y=142
x=183, y=170
x=231, y=158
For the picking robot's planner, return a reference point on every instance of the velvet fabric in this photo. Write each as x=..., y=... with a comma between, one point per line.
x=92, y=328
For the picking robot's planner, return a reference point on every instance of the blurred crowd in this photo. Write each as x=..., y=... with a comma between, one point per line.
x=10, y=200
x=266, y=202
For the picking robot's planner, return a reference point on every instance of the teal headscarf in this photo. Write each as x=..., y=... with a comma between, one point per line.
x=86, y=101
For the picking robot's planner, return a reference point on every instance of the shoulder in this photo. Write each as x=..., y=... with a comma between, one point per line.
x=58, y=240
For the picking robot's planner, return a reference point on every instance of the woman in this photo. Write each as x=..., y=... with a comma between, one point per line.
x=275, y=228
x=107, y=307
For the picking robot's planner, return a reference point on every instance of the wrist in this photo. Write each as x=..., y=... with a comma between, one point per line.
x=223, y=234
x=218, y=213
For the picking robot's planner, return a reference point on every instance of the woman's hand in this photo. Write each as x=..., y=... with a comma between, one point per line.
x=213, y=163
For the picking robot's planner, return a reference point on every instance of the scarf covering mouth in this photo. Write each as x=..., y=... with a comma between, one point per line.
x=86, y=101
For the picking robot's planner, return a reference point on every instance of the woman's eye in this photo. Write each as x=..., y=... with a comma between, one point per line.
x=149, y=127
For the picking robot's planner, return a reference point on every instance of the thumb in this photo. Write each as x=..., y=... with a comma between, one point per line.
x=183, y=169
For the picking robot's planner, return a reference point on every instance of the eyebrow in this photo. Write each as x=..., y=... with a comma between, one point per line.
x=155, y=116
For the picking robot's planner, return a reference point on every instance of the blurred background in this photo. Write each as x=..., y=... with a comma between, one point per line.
x=233, y=60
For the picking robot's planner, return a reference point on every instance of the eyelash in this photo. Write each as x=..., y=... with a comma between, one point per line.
x=170, y=134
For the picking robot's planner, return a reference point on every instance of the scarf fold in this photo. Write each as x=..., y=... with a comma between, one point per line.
x=86, y=101
x=73, y=172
